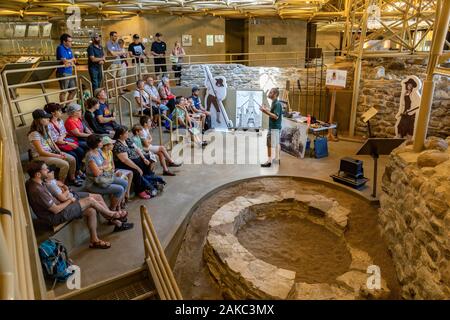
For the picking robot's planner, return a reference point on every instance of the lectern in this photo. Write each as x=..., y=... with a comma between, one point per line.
x=376, y=147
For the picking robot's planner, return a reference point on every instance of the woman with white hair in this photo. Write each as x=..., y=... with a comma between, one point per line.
x=167, y=97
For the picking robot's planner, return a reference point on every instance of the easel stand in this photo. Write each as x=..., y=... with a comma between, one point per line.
x=333, y=90
x=376, y=147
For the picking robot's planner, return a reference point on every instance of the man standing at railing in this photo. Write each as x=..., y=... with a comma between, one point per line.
x=159, y=53
x=114, y=50
x=136, y=49
x=96, y=60
x=65, y=55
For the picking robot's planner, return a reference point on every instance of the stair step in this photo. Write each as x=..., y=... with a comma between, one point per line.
x=139, y=290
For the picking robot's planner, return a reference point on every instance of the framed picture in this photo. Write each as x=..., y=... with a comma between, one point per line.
x=219, y=38
x=46, y=30
x=186, y=40
x=33, y=31
x=209, y=40
x=336, y=78
x=19, y=30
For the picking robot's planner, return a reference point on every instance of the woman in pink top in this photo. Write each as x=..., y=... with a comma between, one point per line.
x=177, y=55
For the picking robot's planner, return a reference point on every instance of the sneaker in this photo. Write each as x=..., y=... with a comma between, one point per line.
x=175, y=164
x=123, y=227
x=76, y=183
x=168, y=173
x=144, y=195
x=266, y=165
x=154, y=192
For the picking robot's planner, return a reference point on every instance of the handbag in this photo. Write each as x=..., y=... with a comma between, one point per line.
x=173, y=59
x=104, y=180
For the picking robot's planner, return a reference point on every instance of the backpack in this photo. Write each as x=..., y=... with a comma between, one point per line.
x=54, y=260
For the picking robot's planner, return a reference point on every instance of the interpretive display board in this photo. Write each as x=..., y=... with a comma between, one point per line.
x=294, y=136
x=248, y=114
x=336, y=78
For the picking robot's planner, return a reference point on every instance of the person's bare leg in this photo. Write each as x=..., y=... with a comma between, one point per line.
x=99, y=199
x=91, y=220
x=115, y=203
x=269, y=154
x=62, y=97
x=162, y=159
x=71, y=95
x=181, y=122
x=130, y=180
x=91, y=202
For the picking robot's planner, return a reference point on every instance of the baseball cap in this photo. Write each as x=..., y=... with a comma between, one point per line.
x=41, y=114
x=158, y=34
x=135, y=36
x=73, y=107
x=195, y=88
x=107, y=140
x=96, y=35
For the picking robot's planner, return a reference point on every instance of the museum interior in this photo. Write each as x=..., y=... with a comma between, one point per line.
x=270, y=150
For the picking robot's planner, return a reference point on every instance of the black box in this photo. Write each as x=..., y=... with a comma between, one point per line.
x=351, y=168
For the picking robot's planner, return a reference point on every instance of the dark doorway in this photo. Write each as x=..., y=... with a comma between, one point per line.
x=236, y=39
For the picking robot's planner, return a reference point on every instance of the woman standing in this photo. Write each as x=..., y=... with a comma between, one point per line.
x=58, y=134
x=176, y=57
x=100, y=178
x=409, y=106
x=43, y=148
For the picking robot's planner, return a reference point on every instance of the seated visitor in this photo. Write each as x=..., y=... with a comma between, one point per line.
x=155, y=99
x=50, y=210
x=197, y=104
x=99, y=179
x=58, y=189
x=197, y=117
x=145, y=144
x=43, y=148
x=180, y=117
x=75, y=127
x=142, y=99
x=107, y=146
x=128, y=156
x=104, y=115
x=92, y=106
x=58, y=134
x=167, y=97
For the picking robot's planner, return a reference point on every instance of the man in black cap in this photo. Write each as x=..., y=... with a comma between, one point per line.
x=197, y=104
x=136, y=50
x=159, y=53
x=95, y=61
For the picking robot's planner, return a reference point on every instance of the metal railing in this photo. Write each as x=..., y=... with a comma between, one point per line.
x=20, y=273
x=156, y=261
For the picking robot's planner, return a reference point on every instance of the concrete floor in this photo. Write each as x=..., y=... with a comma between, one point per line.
x=169, y=210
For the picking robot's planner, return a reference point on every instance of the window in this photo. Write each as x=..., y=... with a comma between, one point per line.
x=280, y=41
x=260, y=40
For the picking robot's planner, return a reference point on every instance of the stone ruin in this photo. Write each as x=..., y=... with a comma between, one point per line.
x=241, y=275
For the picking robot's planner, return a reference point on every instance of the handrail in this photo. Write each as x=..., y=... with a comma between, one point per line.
x=130, y=108
x=19, y=264
x=156, y=261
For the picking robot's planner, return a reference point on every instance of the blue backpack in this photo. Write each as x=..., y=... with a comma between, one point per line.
x=54, y=260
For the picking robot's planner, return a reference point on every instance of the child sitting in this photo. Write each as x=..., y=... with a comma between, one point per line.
x=56, y=188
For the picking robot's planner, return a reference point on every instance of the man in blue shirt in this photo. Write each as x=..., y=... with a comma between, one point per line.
x=96, y=58
x=275, y=117
x=105, y=117
x=159, y=53
x=65, y=55
x=197, y=104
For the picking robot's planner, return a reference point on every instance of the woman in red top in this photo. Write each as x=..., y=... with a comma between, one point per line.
x=75, y=127
x=167, y=97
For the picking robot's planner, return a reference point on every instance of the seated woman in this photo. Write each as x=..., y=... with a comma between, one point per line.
x=107, y=147
x=75, y=126
x=167, y=97
x=142, y=99
x=43, y=148
x=91, y=106
x=181, y=116
x=128, y=156
x=58, y=134
x=143, y=133
x=98, y=179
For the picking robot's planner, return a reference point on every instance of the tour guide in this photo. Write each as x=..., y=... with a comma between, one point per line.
x=275, y=115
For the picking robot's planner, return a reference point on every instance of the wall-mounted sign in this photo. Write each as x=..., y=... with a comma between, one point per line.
x=209, y=40
x=186, y=40
x=219, y=38
x=46, y=30
x=19, y=30
x=336, y=78
x=33, y=31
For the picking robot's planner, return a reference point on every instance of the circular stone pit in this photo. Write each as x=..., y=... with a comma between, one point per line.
x=241, y=275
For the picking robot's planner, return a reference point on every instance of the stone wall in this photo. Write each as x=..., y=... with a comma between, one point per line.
x=383, y=93
x=415, y=218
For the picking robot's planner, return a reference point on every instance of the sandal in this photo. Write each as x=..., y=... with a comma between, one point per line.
x=123, y=227
x=100, y=244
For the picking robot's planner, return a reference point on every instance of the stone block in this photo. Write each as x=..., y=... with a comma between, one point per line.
x=431, y=158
